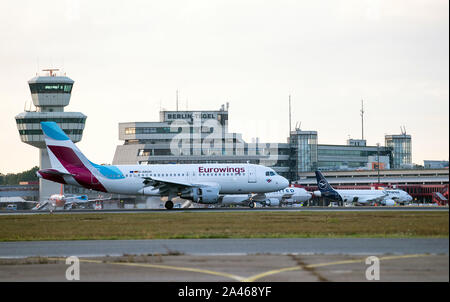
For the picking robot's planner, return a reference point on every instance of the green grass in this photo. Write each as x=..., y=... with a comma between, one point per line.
x=176, y=225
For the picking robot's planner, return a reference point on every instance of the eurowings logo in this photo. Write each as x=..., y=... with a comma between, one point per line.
x=268, y=180
x=220, y=170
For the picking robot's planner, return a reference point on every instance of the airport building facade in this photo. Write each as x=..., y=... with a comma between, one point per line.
x=203, y=137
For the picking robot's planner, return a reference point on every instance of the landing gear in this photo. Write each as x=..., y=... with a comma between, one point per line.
x=169, y=205
x=251, y=204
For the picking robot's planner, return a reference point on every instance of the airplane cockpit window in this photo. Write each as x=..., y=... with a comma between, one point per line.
x=270, y=173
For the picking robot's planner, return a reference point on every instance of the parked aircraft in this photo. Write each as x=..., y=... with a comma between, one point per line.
x=65, y=202
x=290, y=195
x=363, y=197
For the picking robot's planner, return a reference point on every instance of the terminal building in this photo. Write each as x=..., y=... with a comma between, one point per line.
x=50, y=93
x=192, y=137
x=203, y=137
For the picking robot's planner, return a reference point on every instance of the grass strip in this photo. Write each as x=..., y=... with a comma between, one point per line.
x=182, y=225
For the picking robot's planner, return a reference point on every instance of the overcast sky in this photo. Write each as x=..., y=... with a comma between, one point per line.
x=128, y=58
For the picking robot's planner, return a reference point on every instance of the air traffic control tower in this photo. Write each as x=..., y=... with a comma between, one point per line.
x=50, y=93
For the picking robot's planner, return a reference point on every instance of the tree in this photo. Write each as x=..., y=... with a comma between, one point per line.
x=15, y=178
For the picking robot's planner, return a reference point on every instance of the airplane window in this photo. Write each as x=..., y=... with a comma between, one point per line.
x=267, y=173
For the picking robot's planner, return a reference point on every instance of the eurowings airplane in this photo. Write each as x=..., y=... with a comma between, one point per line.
x=200, y=183
x=385, y=197
x=290, y=195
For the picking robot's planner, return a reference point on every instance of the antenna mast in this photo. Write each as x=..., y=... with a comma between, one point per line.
x=362, y=120
x=177, y=99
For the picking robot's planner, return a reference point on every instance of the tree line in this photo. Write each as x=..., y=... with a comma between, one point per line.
x=15, y=178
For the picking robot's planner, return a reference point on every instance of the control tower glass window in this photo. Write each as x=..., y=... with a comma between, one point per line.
x=50, y=88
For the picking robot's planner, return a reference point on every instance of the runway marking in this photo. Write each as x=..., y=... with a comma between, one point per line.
x=168, y=267
x=240, y=278
x=287, y=269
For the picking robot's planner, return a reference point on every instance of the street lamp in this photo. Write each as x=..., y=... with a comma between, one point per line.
x=378, y=160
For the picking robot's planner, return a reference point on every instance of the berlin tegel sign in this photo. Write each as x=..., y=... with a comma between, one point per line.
x=180, y=115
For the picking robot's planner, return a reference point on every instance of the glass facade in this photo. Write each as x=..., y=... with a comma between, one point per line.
x=305, y=150
x=51, y=119
x=39, y=132
x=149, y=130
x=401, y=150
x=50, y=88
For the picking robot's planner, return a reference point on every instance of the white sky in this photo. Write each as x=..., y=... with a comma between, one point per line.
x=128, y=58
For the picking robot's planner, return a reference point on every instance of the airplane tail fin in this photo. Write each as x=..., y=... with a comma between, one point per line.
x=326, y=190
x=64, y=156
x=322, y=183
x=68, y=162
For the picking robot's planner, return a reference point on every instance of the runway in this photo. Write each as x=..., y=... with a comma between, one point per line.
x=224, y=260
x=277, y=246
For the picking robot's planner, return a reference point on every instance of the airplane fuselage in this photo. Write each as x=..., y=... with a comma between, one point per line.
x=128, y=179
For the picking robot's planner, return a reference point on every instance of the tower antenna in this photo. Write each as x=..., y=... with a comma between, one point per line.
x=177, y=99
x=362, y=119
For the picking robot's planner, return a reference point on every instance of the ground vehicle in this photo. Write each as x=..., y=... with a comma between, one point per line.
x=11, y=207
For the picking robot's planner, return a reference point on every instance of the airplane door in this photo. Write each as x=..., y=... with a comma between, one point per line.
x=251, y=174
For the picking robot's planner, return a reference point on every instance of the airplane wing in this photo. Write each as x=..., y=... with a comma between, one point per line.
x=165, y=186
x=258, y=197
x=83, y=199
x=286, y=196
x=156, y=182
x=372, y=198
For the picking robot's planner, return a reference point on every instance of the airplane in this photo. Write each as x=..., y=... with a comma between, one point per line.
x=64, y=202
x=396, y=196
x=201, y=183
x=289, y=195
x=361, y=196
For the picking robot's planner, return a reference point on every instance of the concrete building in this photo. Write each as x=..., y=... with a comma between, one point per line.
x=194, y=137
x=50, y=93
x=435, y=164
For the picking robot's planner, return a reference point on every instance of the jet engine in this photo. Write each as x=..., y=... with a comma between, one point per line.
x=389, y=202
x=272, y=202
x=205, y=194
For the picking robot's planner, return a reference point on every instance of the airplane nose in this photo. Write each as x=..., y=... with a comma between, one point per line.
x=284, y=182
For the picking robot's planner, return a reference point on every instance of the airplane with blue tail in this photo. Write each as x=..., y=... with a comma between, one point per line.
x=360, y=197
